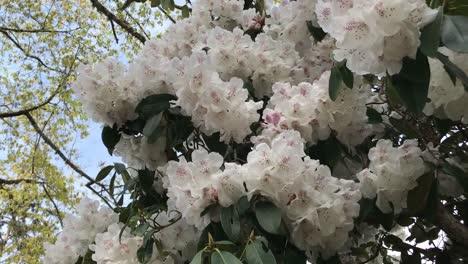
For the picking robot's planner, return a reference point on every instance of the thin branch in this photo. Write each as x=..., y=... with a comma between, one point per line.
x=17, y=181
x=55, y=205
x=113, y=31
x=67, y=161
x=18, y=45
x=167, y=14
x=30, y=109
x=36, y=30
x=123, y=24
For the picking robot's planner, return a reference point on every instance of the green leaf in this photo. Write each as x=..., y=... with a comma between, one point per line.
x=268, y=216
x=110, y=137
x=145, y=252
x=335, y=83
x=120, y=168
x=257, y=252
x=146, y=178
x=453, y=70
x=412, y=83
x=141, y=229
x=197, y=259
x=242, y=205
x=430, y=35
x=455, y=33
x=347, y=76
x=154, y=104
x=458, y=173
x=373, y=116
x=403, y=127
x=152, y=130
x=417, y=197
x=224, y=257
x=185, y=11
x=230, y=222
x=155, y=3
x=410, y=259
x=103, y=173
x=404, y=220
x=316, y=32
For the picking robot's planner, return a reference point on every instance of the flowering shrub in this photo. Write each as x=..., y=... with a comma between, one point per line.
x=261, y=132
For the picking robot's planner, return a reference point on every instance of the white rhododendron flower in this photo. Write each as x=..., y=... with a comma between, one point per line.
x=374, y=36
x=78, y=232
x=392, y=173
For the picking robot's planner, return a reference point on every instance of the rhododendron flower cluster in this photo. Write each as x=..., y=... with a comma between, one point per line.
x=392, y=173
x=374, y=36
x=319, y=207
x=308, y=108
x=115, y=246
x=252, y=115
x=79, y=232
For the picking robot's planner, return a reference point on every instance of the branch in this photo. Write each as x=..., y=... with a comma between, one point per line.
x=166, y=14
x=27, y=110
x=123, y=24
x=37, y=30
x=17, y=181
x=18, y=45
x=55, y=205
x=67, y=161
x=455, y=230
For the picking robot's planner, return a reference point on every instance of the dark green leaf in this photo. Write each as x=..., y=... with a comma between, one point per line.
x=242, y=205
x=120, y=168
x=230, y=222
x=328, y=151
x=197, y=259
x=141, y=229
x=347, y=76
x=154, y=104
x=335, y=83
x=412, y=83
x=185, y=11
x=458, y=173
x=404, y=220
x=155, y=3
x=146, y=178
x=257, y=252
x=402, y=126
x=443, y=125
x=223, y=257
x=373, y=117
x=112, y=184
x=430, y=35
x=417, y=197
x=110, y=138
x=152, y=130
x=250, y=88
x=268, y=216
x=366, y=206
x=455, y=33
x=103, y=173
x=410, y=259
x=453, y=69
x=316, y=32
x=145, y=252
x=331, y=260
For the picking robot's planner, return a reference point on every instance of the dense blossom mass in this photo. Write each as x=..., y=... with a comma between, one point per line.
x=259, y=79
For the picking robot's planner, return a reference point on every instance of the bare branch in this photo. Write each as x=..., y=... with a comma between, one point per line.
x=53, y=202
x=123, y=24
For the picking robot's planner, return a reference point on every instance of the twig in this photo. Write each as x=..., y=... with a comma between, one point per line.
x=16, y=43
x=55, y=205
x=37, y=30
x=123, y=24
x=113, y=31
x=167, y=14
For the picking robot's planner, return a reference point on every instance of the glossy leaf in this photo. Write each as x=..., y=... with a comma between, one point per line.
x=230, y=222
x=257, y=252
x=103, y=173
x=455, y=33
x=335, y=83
x=110, y=137
x=268, y=216
x=224, y=257
x=430, y=35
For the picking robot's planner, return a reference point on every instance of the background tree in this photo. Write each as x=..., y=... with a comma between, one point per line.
x=41, y=45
